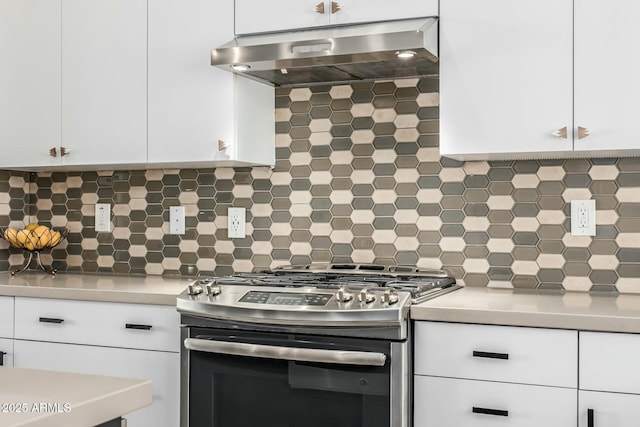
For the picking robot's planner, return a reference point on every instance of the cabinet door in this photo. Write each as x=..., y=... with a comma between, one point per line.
x=104, y=81
x=506, y=78
x=6, y=317
x=6, y=352
x=355, y=11
x=160, y=367
x=259, y=17
x=29, y=82
x=608, y=409
x=191, y=103
x=607, y=89
x=452, y=402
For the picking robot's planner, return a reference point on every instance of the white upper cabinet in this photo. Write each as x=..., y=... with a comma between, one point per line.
x=355, y=11
x=607, y=88
x=29, y=82
x=104, y=82
x=199, y=114
x=538, y=79
x=263, y=16
x=126, y=83
x=505, y=78
x=279, y=15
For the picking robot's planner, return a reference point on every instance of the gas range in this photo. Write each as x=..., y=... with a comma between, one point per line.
x=317, y=295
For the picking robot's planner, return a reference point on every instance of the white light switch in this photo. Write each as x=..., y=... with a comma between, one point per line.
x=176, y=220
x=583, y=217
x=236, y=218
x=103, y=217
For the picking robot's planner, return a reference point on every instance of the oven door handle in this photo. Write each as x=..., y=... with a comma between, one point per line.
x=340, y=357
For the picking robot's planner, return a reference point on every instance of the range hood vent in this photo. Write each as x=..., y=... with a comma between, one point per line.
x=337, y=54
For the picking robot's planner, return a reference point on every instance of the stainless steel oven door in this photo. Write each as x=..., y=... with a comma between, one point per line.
x=256, y=379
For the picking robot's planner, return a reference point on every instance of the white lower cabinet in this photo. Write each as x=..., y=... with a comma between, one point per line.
x=162, y=368
x=6, y=317
x=602, y=409
x=609, y=384
x=103, y=338
x=487, y=375
x=497, y=353
x=6, y=331
x=605, y=361
x=6, y=352
x=455, y=402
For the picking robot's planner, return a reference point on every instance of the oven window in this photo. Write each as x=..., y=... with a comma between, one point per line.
x=242, y=391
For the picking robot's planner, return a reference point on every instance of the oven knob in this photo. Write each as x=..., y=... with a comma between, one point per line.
x=343, y=294
x=366, y=296
x=194, y=289
x=212, y=289
x=390, y=296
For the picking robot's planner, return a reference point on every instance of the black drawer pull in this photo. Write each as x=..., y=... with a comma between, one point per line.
x=590, y=422
x=488, y=411
x=489, y=355
x=51, y=320
x=136, y=326
x=2, y=353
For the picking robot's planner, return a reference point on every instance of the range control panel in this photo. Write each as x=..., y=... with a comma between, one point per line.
x=285, y=298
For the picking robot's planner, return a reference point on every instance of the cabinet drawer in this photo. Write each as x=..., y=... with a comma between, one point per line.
x=151, y=327
x=497, y=353
x=161, y=368
x=6, y=352
x=607, y=361
x=6, y=317
x=454, y=402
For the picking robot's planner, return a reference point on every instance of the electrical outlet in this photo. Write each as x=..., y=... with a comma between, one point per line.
x=103, y=217
x=236, y=223
x=583, y=217
x=176, y=220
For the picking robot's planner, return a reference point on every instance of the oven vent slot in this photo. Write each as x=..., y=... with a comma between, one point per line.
x=342, y=267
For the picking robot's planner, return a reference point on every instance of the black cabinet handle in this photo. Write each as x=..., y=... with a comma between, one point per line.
x=488, y=411
x=2, y=353
x=590, y=422
x=51, y=320
x=489, y=355
x=136, y=326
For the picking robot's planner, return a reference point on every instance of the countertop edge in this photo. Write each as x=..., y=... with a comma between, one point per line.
x=584, y=322
x=70, y=399
x=101, y=410
x=95, y=295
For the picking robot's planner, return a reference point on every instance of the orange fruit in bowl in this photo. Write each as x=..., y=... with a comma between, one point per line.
x=32, y=226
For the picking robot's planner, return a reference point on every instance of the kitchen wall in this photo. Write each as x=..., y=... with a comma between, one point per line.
x=358, y=178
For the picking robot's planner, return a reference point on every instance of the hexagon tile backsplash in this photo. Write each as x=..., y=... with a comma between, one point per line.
x=358, y=178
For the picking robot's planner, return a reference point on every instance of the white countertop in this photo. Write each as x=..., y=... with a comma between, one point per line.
x=34, y=398
x=130, y=289
x=547, y=309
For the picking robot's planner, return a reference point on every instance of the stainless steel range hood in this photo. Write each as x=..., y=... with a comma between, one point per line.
x=337, y=54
